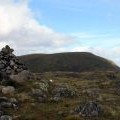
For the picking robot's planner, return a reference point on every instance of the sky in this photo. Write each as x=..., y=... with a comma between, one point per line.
x=53, y=26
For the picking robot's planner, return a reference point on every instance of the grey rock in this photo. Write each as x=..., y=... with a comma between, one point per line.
x=7, y=50
x=21, y=77
x=4, y=105
x=64, y=91
x=90, y=109
x=5, y=117
x=12, y=63
x=8, y=90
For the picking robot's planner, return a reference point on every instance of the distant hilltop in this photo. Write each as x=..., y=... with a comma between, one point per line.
x=67, y=62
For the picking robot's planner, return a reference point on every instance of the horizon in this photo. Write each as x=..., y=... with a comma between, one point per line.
x=52, y=26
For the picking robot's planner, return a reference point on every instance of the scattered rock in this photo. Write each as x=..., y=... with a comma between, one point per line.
x=90, y=109
x=8, y=90
x=64, y=91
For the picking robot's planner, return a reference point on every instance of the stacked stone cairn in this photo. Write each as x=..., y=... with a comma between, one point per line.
x=11, y=72
x=9, y=63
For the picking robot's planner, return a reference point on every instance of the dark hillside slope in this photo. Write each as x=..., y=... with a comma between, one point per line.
x=68, y=62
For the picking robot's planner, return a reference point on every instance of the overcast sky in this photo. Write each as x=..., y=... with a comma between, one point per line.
x=50, y=26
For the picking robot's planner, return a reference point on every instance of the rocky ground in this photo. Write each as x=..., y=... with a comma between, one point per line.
x=58, y=95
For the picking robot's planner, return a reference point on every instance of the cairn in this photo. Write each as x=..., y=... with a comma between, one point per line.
x=9, y=63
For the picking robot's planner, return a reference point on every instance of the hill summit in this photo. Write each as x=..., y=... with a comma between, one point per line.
x=67, y=62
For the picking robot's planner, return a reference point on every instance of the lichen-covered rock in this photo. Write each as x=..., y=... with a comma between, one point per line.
x=64, y=91
x=90, y=109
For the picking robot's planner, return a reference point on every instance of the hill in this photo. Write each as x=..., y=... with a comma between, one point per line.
x=67, y=62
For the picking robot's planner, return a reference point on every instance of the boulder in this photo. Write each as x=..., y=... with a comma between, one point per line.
x=8, y=90
x=21, y=77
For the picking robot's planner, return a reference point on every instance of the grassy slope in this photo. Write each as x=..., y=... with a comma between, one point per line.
x=76, y=61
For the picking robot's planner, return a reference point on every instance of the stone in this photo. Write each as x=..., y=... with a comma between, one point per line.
x=5, y=117
x=21, y=77
x=8, y=90
x=12, y=63
x=4, y=105
x=7, y=50
x=90, y=109
x=64, y=91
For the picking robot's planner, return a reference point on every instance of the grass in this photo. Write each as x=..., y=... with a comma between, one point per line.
x=109, y=100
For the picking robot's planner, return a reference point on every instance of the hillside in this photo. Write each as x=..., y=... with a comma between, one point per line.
x=93, y=95
x=67, y=62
